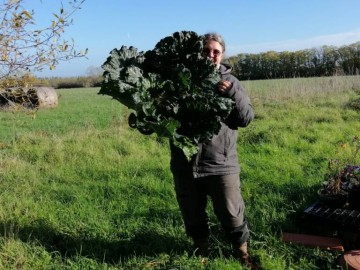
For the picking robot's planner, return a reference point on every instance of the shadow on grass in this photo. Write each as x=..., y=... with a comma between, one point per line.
x=283, y=211
x=144, y=242
x=281, y=205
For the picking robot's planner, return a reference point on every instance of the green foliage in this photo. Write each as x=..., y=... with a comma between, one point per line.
x=171, y=89
x=354, y=104
x=314, y=62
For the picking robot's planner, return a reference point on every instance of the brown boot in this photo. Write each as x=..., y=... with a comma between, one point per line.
x=202, y=248
x=242, y=254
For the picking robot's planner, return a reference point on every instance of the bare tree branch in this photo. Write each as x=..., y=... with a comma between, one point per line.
x=26, y=48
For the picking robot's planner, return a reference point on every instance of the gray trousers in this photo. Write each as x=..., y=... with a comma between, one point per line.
x=224, y=191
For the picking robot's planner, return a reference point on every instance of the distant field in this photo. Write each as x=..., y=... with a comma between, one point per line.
x=78, y=109
x=81, y=190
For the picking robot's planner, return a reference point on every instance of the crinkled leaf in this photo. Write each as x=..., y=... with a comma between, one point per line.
x=172, y=90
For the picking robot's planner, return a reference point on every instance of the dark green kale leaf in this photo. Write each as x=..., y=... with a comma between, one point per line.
x=122, y=75
x=172, y=90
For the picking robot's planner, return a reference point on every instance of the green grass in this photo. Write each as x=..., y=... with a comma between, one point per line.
x=81, y=190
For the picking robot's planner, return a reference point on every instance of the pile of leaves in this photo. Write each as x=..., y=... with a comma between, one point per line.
x=348, y=177
x=343, y=174
x=171, y=90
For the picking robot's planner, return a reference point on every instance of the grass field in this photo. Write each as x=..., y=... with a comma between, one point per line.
x=81, y=190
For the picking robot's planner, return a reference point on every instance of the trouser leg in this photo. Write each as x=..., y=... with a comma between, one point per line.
x=229, y=207
x=192, y=200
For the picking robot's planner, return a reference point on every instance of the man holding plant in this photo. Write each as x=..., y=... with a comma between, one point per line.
x=214, y=170
x=182, y=91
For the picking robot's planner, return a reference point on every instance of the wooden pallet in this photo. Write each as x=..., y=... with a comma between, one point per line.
x=314, y=241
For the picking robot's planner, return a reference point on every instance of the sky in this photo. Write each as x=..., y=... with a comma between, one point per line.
x=247, y=26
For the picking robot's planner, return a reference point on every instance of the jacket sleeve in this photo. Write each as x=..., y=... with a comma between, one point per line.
x=243, y=112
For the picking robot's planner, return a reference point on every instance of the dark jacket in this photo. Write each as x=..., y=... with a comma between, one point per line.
x=219, y=155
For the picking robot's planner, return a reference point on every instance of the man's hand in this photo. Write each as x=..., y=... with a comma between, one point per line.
x=224, y=86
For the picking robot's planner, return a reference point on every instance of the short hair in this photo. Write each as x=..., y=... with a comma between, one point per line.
x=215, y=37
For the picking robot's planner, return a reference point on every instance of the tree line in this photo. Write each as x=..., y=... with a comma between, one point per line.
x=315, y=62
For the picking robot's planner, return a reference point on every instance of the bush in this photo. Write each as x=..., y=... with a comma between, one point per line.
x=354, y=104
x=70, y=82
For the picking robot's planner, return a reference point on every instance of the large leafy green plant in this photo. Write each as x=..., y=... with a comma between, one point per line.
x=171, y=90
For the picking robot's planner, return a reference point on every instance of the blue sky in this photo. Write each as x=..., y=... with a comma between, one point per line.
x=248, y=26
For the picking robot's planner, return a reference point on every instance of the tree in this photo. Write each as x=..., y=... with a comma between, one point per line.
x=350, y=58
x=26, y=47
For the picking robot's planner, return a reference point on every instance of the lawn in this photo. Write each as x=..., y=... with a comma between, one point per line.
x=82, y=190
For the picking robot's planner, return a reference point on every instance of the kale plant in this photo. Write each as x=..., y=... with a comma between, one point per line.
x=171, y=90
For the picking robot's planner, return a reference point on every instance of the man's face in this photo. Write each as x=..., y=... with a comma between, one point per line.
x=213, y=50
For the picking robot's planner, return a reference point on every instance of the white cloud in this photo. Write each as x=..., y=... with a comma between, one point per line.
x=298, y=44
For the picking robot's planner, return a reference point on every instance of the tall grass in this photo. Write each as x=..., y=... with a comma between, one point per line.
x=81, y=190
